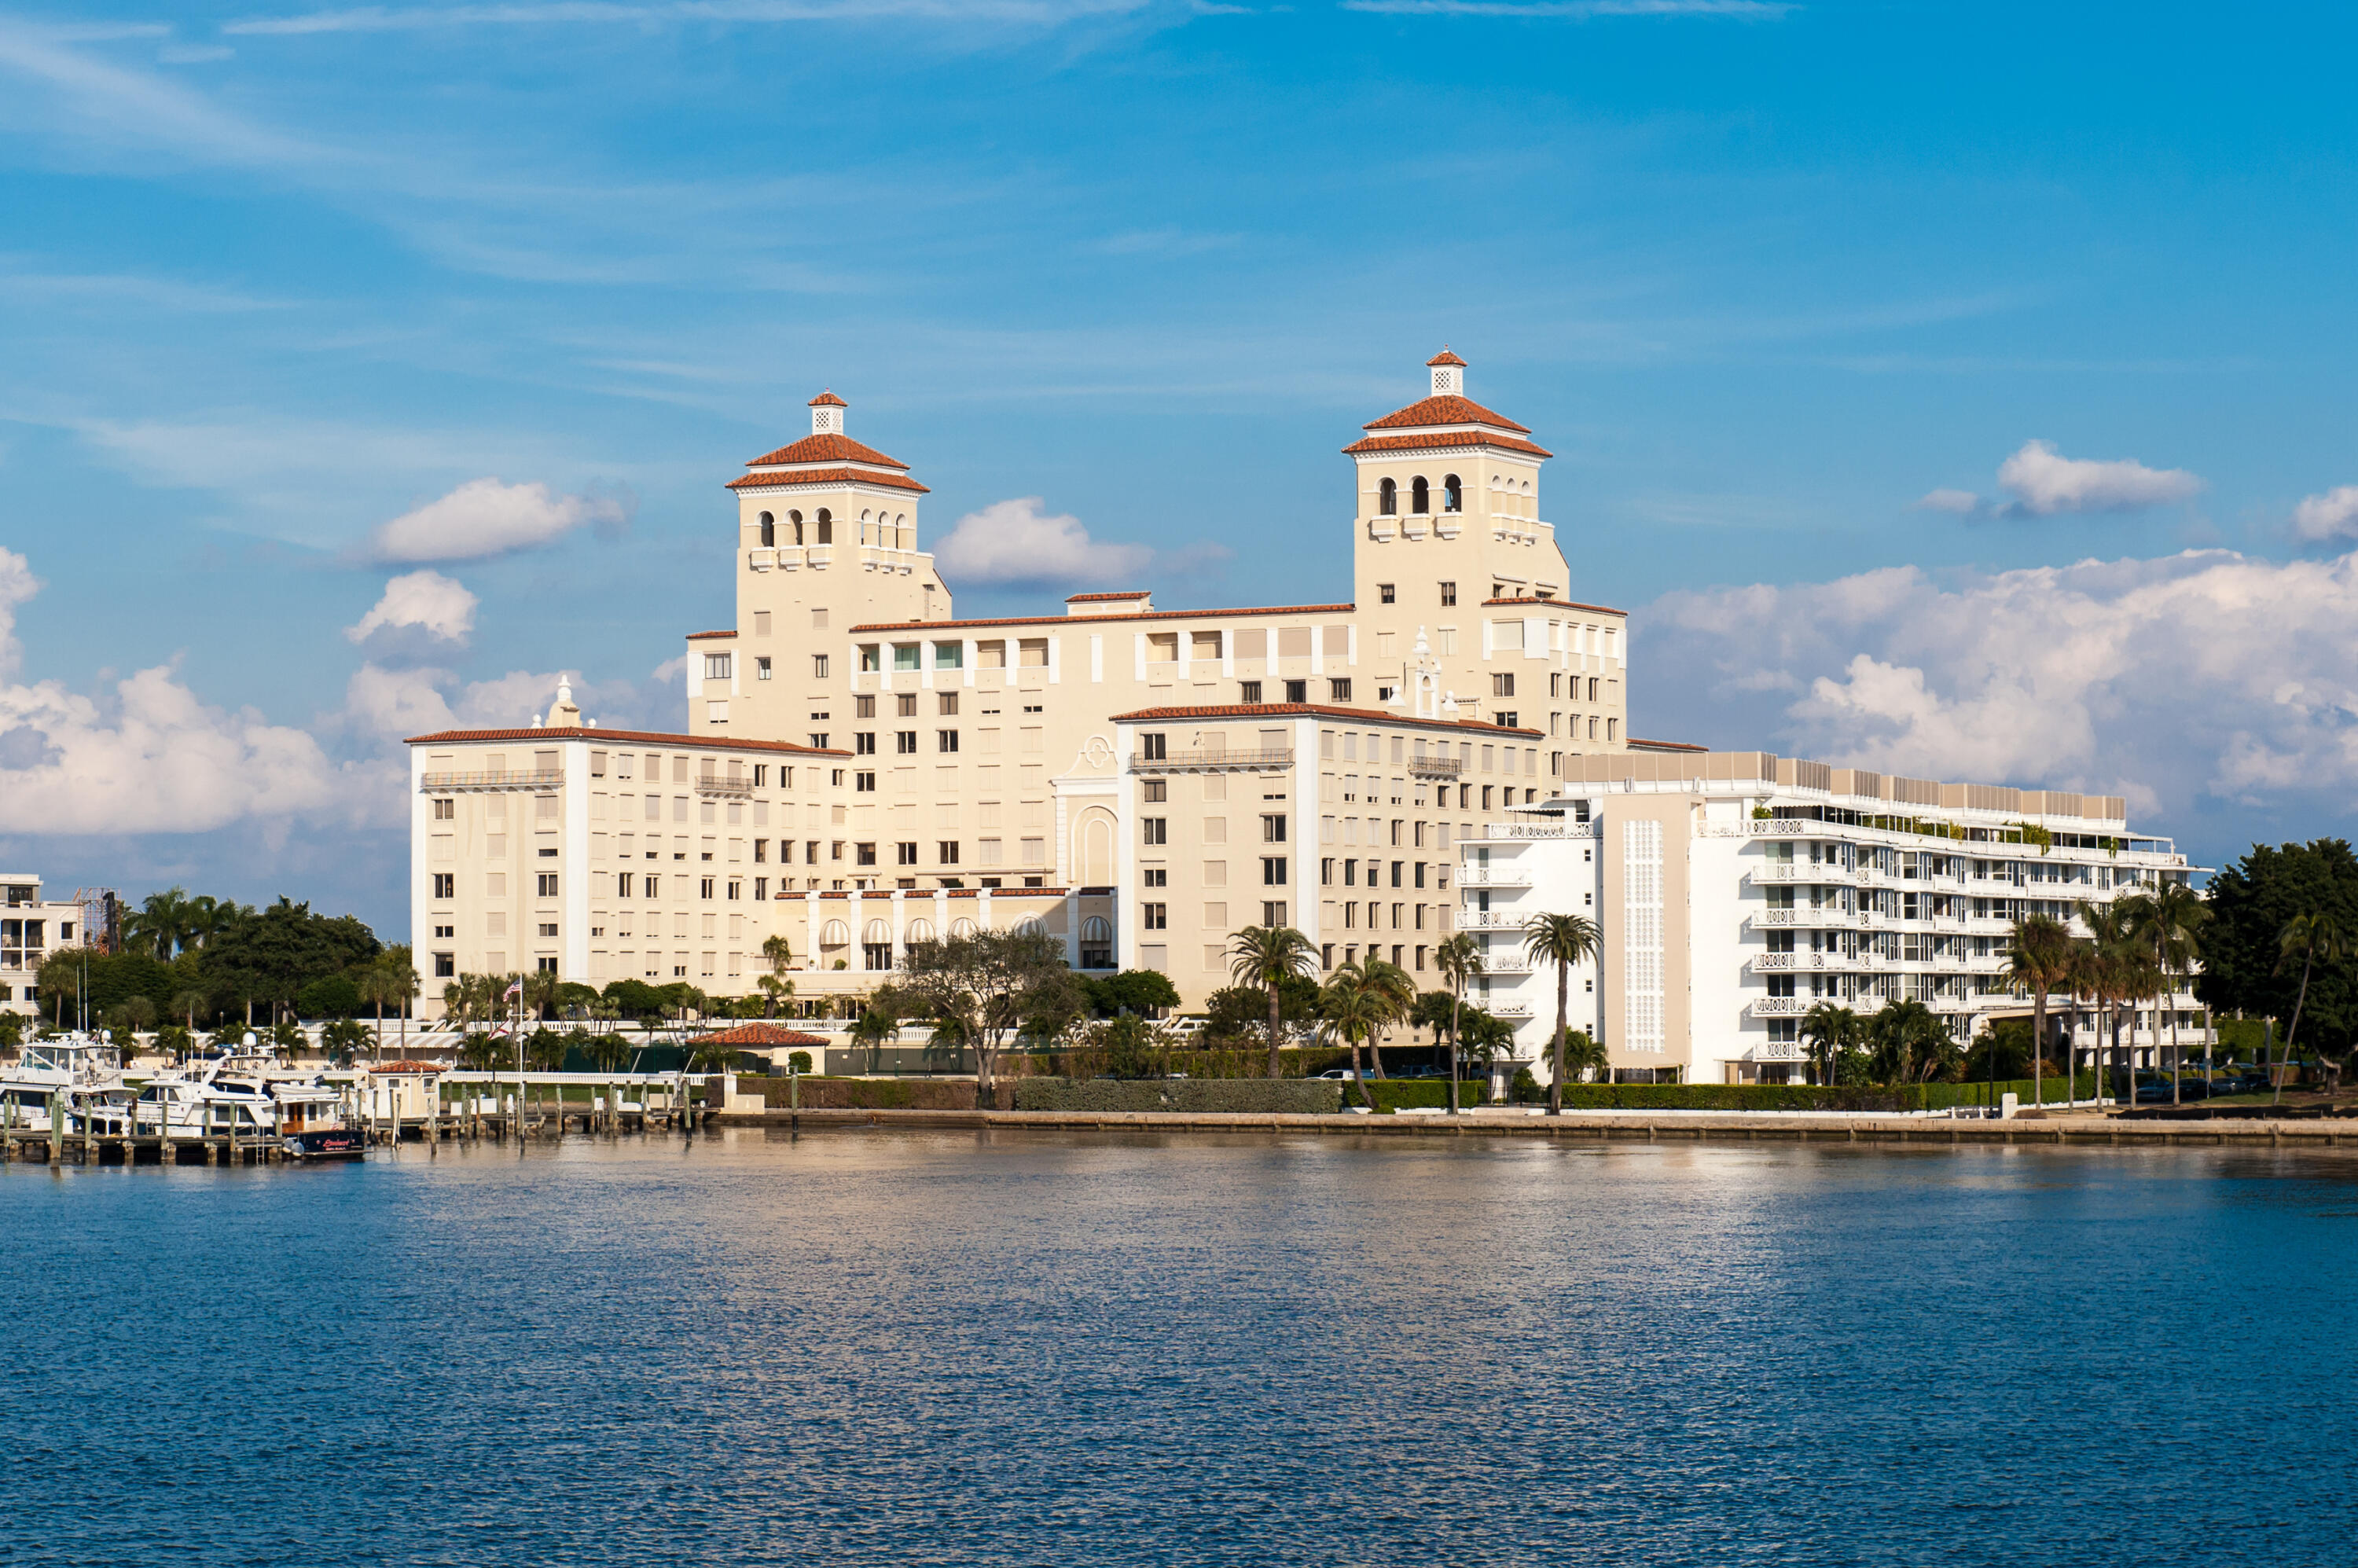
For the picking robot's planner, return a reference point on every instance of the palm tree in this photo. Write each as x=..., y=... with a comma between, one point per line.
x=1562, y=940
x=2109, y=971
x=1393, y=982
x=775, y=986
x=381, y=981
x=1355, y=1006
x=1459, y=959
x=1268, y=955
x=2314, y=935
x=2038, y=954
x=1830, y=1027
x=2168, y=921
x=1911, y=1044
x=162, y=925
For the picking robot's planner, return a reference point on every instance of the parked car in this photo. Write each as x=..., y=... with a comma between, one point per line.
x=1345, y=1074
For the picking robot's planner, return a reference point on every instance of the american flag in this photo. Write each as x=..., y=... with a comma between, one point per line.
x=515, y=988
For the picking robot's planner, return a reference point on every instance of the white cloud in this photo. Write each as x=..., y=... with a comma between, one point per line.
x=1016, y=542
x=485, y=517
x=17, y=584
x=2043, y=483
x=2333, y=516
x=1961, y=502
x=2202, y=682
x=437, y=605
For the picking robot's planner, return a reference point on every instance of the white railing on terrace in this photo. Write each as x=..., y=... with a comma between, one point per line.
x=1490, y=920
x=1538, y=830
x=1510, y=1010
x=1265, y=757
x=494, y=778
x=1493, y=877
x=709, y=785
x=1782, y=1006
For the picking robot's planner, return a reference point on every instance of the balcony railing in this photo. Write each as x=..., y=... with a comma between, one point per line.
x=1256, y=760
x=1538, y=830
x=1490, y=920
x=707, y=784
x=492, y=778
x=1493, y=877
x=1435, y=767
x=1782, y=1006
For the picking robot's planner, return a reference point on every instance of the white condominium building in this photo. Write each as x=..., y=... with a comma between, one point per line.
x=1735, y=891
x=31, y=929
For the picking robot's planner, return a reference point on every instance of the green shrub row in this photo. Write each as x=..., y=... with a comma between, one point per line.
x=1262, y=1096
x=864, y=1093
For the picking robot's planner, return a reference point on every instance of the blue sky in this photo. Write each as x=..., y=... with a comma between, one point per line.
x=1765, y=278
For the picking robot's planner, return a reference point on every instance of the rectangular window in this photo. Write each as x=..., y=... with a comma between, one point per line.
x=623, y=885
x=949, y=656
x=547, y=884
x=865, y=783
x=444, y=810
x=1272, y=915
x=1384, y=592
x=871, y=658
x=1154, y=916
x=904, y=656
x=1502, y=685
x=1338, y=691
x=863, y=854
x=905, y=854
x=704, y=888
x=715, y=667
x=1297, y=691
x=1448, y=593
x=1273, y=829
x=1272, y=871
x=1154, y=791
x=1157, y=829
x=762, y=666
x=445, y=884
x=1248, y=691
x=946, y=704
x=1158, y=877
x=818, y=666
x=446, y=965
x=863, y=744
x=946, y=851
x=904, y=742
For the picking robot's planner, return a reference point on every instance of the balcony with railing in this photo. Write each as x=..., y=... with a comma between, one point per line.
x=1491, y=920
x=1248, y=760
x=708, y=783
x=1435, y=767
x=1494, y=877
x=491, y=779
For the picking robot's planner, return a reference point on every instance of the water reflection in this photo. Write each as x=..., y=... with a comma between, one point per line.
x=886, y=1347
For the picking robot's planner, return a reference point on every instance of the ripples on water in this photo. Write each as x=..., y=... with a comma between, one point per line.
x=871, y=1347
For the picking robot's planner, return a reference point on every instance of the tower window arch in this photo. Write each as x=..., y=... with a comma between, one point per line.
x=795, y=522
x=1388, y=498
x=826, y=521
x=1453, y=494
x=769, y=531
x=1420, y=496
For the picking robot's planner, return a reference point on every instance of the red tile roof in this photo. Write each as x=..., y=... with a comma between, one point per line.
x=1445, y=410
x=1439, y=438
x=1445, y=358
x=1053, y=621
x=637, y=736
x=760, y=1033
x=693, y=636
x=1298, y=710
x=829, y=399
x=1558, y=604
x=827, y=476
x=827, y=448
x=1094, y=598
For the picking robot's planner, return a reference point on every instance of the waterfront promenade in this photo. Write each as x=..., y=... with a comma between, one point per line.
x=2088, y=1130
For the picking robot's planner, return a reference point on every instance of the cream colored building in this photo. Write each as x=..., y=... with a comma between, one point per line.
x=860, y=768
x=599, y=855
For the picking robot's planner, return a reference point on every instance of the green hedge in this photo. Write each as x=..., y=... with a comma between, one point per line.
x=865, y=1094
x=1415, y=1094
x=1263, y=1096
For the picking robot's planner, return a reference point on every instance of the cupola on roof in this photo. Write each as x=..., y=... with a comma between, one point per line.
x=826, y=455
x=1447, y=418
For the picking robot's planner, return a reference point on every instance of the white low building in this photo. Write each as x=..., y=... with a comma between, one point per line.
x=1735, y=891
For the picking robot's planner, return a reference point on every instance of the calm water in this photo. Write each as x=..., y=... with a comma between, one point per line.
x=1028, y=1350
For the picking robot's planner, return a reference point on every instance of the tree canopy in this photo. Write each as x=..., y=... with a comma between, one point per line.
x=2252, y=900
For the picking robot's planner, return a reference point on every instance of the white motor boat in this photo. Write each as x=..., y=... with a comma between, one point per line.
x=81, y=1074
x=251, y=1093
